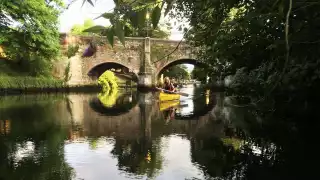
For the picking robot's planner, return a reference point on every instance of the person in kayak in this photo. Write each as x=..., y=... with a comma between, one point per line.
x=168, y=85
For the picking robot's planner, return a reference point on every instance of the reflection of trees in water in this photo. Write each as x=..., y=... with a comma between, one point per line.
x=141, y=156
x=275, y=144
x=203, y=102
x=35, y=129
x=214, y=157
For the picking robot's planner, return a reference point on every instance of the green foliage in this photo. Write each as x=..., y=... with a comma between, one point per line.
x=67, y=74
x=88, y=23
x=72, y=50
x=178, y=72
x=269, y=49
x=156, y=14
x=7, y=68
x=118, y=28
x=140, y=156
x=27, y=82
x=36, y=120
x=135, y=13
x=29, y=33
x=161, y=32
x=108, y=98
x=108, y=81
x=199, y=74
x=7, y=102
x=78, y=29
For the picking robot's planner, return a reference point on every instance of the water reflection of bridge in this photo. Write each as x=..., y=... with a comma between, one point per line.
x=143, y=118
x=138, y=133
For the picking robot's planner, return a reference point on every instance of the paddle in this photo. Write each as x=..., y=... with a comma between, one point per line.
x=181, y=93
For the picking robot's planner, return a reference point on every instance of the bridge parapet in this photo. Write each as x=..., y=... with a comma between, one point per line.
x=142, y=56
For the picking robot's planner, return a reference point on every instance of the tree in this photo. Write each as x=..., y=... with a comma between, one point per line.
x=265, y=44
x=178, y=72
x=161, y=33
x=78, y=29
x=272, y=49
x=133, y=12
x=29, y=33
x=199, y=74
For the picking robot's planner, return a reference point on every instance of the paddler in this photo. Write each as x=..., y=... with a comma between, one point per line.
x=168, y=85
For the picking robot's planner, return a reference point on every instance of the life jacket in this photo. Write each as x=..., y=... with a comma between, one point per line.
x=168, y=87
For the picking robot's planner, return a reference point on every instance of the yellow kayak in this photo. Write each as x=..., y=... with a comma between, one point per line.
x=168, y=97
x=168, y=104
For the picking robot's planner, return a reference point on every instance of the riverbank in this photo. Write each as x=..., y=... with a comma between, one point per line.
x=15, y=85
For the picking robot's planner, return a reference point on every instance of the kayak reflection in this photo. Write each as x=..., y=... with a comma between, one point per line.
x=184, y=108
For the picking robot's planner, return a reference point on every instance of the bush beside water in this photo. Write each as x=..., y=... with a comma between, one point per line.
x=29, y=82
x=11, y=82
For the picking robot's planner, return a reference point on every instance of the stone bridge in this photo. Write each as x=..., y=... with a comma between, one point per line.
x=144, y=59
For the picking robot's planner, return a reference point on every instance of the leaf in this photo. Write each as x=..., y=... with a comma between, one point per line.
x=133, y=16
x=95, y=29
x=169, y=6
x=156, y=14
x=106, y=16
x=142, y=18
x=275, y=3
x=110, y=36
x=280, y=8
x=120, y=32
x=89, y=1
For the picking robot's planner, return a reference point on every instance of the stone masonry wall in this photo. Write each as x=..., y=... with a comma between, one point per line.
x=168, y=51
x=131, y=56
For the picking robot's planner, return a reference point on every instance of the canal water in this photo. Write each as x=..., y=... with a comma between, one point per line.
x=130, y=135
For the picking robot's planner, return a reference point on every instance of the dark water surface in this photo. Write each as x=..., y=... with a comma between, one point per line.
x=130, y=135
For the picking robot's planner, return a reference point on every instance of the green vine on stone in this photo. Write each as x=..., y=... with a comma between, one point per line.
x=72, y=50
x=67, y=74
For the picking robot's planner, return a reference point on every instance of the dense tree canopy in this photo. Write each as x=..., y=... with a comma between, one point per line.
x=139, y=16
x=29, y=33
x=179, y=72
x=199, y=74
x=265, y=43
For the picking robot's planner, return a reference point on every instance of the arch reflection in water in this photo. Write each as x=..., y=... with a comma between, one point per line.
x=101, y=143
x=199, y=103
x=115, y=103
x=140, y=144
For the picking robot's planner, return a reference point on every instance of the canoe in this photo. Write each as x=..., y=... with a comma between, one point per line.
x=168, y=97
x=168, y=104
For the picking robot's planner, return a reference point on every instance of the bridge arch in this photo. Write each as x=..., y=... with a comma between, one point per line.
x=180, y=61
x=120, y=70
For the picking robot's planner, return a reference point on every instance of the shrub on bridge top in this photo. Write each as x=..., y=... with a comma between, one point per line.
x=108, y=81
